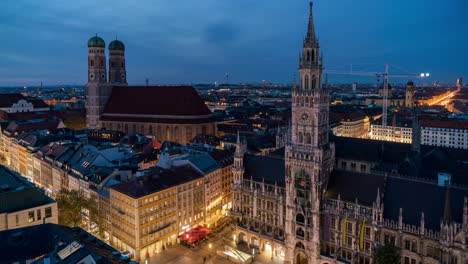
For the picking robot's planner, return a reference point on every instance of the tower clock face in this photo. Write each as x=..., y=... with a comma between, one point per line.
x=304, y=116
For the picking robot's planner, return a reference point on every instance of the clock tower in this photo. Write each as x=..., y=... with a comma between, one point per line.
x=309, y=156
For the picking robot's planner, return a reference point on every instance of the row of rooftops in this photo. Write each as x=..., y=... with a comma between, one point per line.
x=176, y=166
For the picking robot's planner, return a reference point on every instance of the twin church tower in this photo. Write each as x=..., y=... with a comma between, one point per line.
x=100, y=82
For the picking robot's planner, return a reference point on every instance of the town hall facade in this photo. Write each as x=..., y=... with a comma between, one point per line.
x=323, y=199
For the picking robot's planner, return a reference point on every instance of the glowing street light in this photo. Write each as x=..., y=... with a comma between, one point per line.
x=427, y=74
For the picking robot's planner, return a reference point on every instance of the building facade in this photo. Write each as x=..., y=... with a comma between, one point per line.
x=441, y=133
x=320, y=201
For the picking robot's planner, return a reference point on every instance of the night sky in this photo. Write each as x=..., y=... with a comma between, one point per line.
x=183, y=41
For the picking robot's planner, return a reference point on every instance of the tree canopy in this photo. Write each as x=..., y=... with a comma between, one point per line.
x=388, y=254
x=76, y=122
x=78, y=210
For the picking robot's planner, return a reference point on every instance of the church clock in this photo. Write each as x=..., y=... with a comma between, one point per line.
x=304, y=117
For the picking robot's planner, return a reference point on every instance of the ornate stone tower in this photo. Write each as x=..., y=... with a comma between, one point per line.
x=238, y=171
x=97, y=88
x=97, y=76
x=409, y=98
x=309, y=156
x=117, y=71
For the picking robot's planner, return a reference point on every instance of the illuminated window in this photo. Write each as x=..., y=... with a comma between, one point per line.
x=30, y=216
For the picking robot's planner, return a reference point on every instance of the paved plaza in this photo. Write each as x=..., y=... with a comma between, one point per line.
x=182, y=254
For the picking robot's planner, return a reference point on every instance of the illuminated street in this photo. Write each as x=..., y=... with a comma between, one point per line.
x=444, y=100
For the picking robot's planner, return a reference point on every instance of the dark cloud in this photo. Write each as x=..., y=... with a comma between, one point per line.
x=221, y=33
x=185, y=40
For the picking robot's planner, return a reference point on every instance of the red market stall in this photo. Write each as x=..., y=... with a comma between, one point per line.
x=194, y=235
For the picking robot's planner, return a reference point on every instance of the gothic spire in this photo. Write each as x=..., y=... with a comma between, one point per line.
x=447, y=207
x=310, y=37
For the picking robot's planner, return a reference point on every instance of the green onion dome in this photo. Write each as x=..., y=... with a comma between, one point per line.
x=96, y=42
x=116, y=45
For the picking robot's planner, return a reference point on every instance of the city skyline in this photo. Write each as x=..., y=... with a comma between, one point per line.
x=214, y=38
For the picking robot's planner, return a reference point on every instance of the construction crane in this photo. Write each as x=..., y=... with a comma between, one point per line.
x=385, y=75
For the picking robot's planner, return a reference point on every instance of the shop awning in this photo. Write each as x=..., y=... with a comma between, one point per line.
x=195, y=234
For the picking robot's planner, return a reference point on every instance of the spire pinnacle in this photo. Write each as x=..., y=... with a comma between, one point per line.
x=447, y=207
x=310, y=37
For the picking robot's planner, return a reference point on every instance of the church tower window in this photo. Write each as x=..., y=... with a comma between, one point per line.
x=306, y=82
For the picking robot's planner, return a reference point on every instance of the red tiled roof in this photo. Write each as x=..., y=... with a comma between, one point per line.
x=158, y=120
x=156, y=100
x=462, y=124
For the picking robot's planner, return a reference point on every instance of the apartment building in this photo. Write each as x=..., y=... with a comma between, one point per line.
x=148, y=212
x=22, y=204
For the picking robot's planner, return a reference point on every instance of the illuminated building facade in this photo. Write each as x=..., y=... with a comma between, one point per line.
x=322, y=202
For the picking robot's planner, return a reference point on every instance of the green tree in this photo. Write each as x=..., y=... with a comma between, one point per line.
x=387, y=254
x=76, y=122
x=78, y=210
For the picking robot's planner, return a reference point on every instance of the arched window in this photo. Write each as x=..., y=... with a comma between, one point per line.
x=188, y=133
x=168, y=133
x=313, y=55
x=308, y=138
x=308, y=55
x=302, y=184
x=314, y=83
x=299, y=232
x=300, y=137
x=176, y=133
x=306, y=82
x=300, y=245
x=300, y=218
